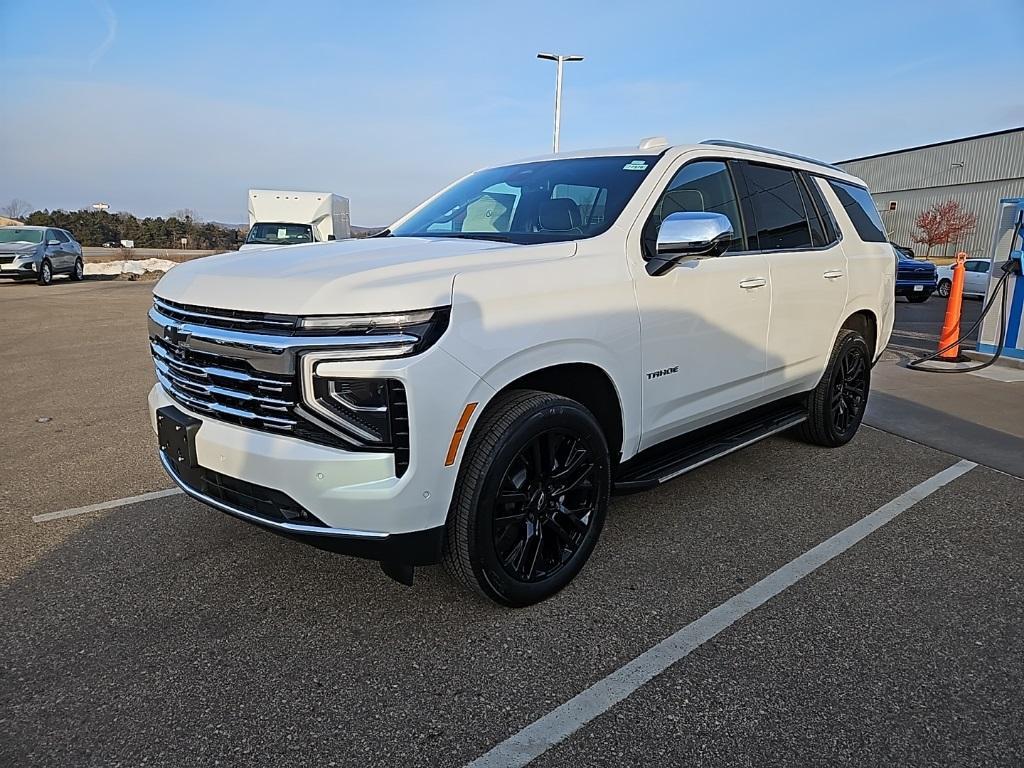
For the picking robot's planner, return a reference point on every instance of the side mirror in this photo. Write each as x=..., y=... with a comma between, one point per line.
x=53, y=242
x=689, y=235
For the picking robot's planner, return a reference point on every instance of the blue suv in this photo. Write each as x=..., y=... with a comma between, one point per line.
x=915, y=278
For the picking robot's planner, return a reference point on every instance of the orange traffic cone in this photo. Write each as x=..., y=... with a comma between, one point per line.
x=951, y=324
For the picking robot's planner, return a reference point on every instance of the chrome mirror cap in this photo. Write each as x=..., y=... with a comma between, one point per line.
x=693, y=233
x=689, y=234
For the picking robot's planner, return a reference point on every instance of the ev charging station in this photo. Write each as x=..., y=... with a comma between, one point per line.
x=1008, y=243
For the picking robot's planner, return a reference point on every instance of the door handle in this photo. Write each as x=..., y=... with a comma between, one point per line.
x=753, y=282
x=833, y=274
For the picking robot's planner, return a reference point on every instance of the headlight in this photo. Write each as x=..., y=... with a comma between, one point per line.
x=392, y=334
x=369, y=413
x=359, y=406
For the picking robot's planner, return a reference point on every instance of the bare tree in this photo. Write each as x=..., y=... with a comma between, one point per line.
x=942, y=224
x=186, y=214
x=16, y=209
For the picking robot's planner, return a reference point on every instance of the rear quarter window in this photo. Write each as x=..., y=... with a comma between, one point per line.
x=859, y=206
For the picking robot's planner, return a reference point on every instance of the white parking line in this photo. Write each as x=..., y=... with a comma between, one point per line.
x=46, y=517
x=540, y=735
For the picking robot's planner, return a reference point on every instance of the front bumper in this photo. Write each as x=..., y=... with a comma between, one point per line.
x=413, y=548
x=359, y=504
x=19, y=270
x=907, y=287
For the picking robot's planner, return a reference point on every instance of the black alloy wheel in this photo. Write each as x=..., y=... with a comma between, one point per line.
x=531, y=498
x=836, y=406
x=850, y=390
x=544, y=505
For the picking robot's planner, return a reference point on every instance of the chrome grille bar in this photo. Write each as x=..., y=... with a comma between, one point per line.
x=209, y=406
x=253, y=322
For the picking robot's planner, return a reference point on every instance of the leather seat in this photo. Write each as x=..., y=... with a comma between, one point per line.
x=560, y=214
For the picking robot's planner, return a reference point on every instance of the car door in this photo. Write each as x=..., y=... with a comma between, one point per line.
x=977, y=276
x=704, y=323
x=74, y=249
x=56, y=250
x=807, y=266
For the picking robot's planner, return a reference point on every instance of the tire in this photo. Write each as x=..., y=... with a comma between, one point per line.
x=517, y=450
x=835, y=407
x=78, y=273
x=917, y=298
x=45, y=273
x=945, y=286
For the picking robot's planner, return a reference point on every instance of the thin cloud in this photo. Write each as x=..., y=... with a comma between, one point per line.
x=111, y=18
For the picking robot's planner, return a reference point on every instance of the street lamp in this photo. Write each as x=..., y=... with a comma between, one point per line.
x=558, y=88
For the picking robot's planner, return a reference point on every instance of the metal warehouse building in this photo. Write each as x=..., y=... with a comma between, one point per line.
x=977, y=172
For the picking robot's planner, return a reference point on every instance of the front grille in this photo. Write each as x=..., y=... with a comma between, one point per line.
x=228, y=389
x=225, y=388
x=915, y=273
x=7, y=259
x=231, y=319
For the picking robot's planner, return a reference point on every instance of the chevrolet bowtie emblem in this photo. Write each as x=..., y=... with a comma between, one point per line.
x=176, y=335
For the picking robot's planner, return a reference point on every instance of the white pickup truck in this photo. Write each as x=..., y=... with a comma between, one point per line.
x=470, y=386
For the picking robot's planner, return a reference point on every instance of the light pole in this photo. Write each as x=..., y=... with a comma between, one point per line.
x=559, y=59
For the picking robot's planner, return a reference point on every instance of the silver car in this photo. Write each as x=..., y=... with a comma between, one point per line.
x=39, y=253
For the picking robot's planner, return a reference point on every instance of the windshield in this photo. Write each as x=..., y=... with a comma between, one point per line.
x=533, y=202
x=280, y=234
x=17, y=235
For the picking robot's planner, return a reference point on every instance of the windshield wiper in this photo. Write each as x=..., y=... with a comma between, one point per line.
x=495, y=236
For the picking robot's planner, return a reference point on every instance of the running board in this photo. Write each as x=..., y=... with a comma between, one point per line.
x=667, y=461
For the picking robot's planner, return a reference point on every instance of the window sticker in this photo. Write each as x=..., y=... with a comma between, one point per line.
x=635, y=165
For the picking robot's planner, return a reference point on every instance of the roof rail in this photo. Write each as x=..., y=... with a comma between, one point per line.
x=755, y=148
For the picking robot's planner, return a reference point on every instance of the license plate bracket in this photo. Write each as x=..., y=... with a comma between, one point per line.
x=176, y=433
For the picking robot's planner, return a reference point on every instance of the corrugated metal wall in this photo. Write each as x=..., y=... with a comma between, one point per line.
x=976, y=172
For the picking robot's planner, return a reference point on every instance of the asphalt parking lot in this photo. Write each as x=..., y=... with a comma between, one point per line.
x=164, y=633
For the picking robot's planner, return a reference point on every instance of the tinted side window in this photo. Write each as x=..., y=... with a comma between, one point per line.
x=818, y=238
x=702, y=186
x=831, y=232
x=53, y=234
x=778, y=208
x=861, y=209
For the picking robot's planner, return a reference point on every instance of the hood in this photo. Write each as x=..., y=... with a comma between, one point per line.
x=916, y=265
x=18, y=248
x=382, y=274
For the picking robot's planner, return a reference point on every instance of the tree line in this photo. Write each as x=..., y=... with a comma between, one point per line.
x=94, y=228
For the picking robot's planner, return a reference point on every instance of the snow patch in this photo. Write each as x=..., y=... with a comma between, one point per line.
x=128, y=267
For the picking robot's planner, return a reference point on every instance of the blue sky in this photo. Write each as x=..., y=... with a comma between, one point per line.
x=156, y=106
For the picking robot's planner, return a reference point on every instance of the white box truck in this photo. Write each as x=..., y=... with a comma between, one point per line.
x=279, y=217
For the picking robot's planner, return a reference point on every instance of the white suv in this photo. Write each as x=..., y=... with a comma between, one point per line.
x=470, y=386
